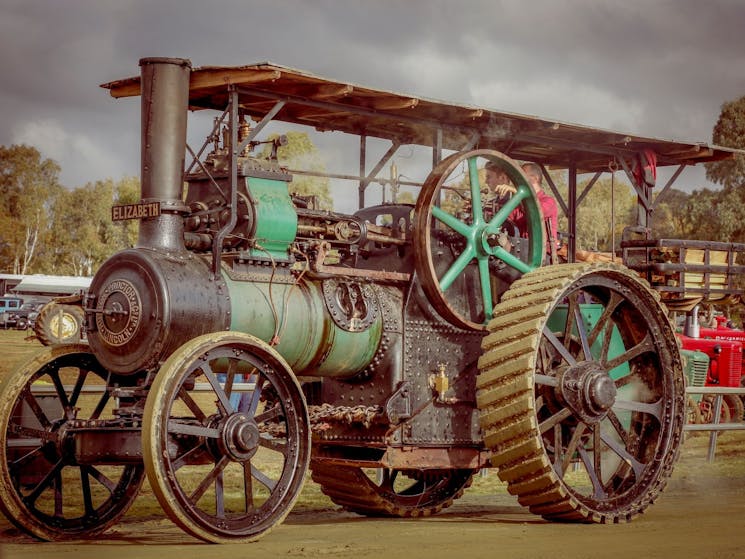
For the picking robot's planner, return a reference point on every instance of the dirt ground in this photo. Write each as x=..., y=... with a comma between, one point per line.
x=696, y=517
x=700, y=515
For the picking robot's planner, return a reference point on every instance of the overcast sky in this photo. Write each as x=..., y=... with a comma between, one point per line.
x=657, y=68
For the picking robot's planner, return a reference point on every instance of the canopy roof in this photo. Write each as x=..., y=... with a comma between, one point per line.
x=332, y=105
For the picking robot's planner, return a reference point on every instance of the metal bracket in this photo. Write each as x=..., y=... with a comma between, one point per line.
x=398, y=406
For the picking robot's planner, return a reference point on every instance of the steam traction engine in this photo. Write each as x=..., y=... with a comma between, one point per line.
x=394, y=352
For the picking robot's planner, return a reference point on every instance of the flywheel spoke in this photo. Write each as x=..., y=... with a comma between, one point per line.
x=451, y=221
x=457, y=268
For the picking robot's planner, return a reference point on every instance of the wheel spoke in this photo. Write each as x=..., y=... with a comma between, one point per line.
x=182, y=460
x=587, y=460
x=57, y=485
x=637, y=466
x=101, y=405
x=645, y=346
x=451, y=221
x=572, y=447
x=486, y=287
x=558, y=346
x=269, y=414
x=223, y=401
x=47, y=481
x=605, y=323
x=558, y=446
x=555, y=419
x=654, y=408
x=209, y=480
x=273, y=443
x=582, y=332
x=546, y=380
x=36, y=409
x=262, y=478
x=496, y=222
x=457, y=267
x=473, y=179
x=15, y=465
x=229, y=379
x=29, y=436
x=511, y=260
x=102, y=479
x=61, y=394
x=192, y=405
x=616, y=423
x=568, y=323
x=177, y=428
x=82, y=375
x=86, y=486
x=219, y=496
x=248, y=491
x=253, y=403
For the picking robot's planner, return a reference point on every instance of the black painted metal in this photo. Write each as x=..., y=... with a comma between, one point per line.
x=165, y=98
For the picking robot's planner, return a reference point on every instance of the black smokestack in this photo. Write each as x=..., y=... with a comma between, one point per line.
x=165, y=102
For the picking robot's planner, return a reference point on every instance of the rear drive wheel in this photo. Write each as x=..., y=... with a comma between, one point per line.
x=582, y=393
x=391, y=492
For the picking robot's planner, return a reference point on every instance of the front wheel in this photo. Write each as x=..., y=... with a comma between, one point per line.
x=44, y=490
x=226, y=437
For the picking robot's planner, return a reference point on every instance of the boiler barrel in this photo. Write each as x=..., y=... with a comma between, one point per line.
x=297, y=315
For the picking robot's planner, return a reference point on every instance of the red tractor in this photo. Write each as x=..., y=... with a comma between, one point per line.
x=724, y=332
x=725, y=368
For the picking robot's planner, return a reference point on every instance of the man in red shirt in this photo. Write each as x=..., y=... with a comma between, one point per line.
x=495, y=180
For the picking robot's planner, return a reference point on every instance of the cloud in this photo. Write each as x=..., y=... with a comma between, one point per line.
x=82, y=160
x=660, y=68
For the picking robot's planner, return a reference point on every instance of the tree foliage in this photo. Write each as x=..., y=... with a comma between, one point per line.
x=608, y=202
x=301, y=153
x=82, y=228
x=729, y=131
x=29, y=187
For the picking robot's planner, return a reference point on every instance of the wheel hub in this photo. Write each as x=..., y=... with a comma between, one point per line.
x=240, y=437
x=588, y=390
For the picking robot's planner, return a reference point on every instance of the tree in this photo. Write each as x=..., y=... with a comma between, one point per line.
x=83, y=231
x=671, y=218
x=29, y=186
x=716, y=215
x=593, y=219
x=729, y=131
